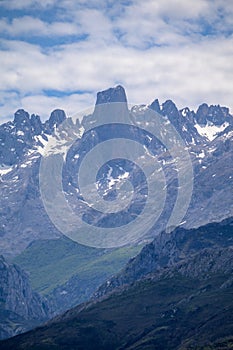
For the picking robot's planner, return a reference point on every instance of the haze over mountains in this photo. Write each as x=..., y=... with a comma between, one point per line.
x=67, y=273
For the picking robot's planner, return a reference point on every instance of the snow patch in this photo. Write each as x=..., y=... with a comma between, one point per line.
x=211, y=150
x=64, y=292
x=40, y=139
x=183, y=222
x=210, y=130
x=20, y=133
x=139, y=108
x=201, y=155
x=5, y=170
x=184, y=112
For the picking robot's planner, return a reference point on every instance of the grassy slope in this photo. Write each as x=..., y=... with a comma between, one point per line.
x=51, y=263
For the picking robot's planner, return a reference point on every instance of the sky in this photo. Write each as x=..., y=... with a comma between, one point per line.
x=60, y=53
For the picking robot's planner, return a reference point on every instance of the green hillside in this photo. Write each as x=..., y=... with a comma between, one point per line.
x=51, y=263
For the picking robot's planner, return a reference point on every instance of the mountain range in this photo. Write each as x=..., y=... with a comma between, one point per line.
x=67, y=273
x=207, y=135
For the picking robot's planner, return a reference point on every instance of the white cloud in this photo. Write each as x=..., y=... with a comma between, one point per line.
x=178, y=9
x=10, y=102
x=96, y=25
x=24, y=4
x=44, y=105
x=153, y=48
x=30, y=26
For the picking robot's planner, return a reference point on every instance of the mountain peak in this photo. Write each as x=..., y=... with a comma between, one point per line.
x=202, y=113
x=169, y=107
x=21, y=117
x=116, y=94
x=155, y=106
x=36, y=124
x=170, y=110
x=56, y=117
x=214, y=114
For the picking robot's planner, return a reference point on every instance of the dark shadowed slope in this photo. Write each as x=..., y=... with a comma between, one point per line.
x=185, y=306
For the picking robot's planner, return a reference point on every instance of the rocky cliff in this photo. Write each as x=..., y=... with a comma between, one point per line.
x=20, y=307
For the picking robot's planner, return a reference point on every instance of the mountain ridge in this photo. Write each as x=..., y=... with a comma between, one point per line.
x=187, y=305
x=168, y=249
x=22, y=153
x=24, y=127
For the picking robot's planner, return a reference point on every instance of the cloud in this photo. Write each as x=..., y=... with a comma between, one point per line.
x=29, y=26
x=25, y=4
x=170, y=49
x=96, y=25
x=10, y=102
x=43, y=105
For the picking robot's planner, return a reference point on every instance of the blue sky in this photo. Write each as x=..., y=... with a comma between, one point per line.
x=59, y=53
